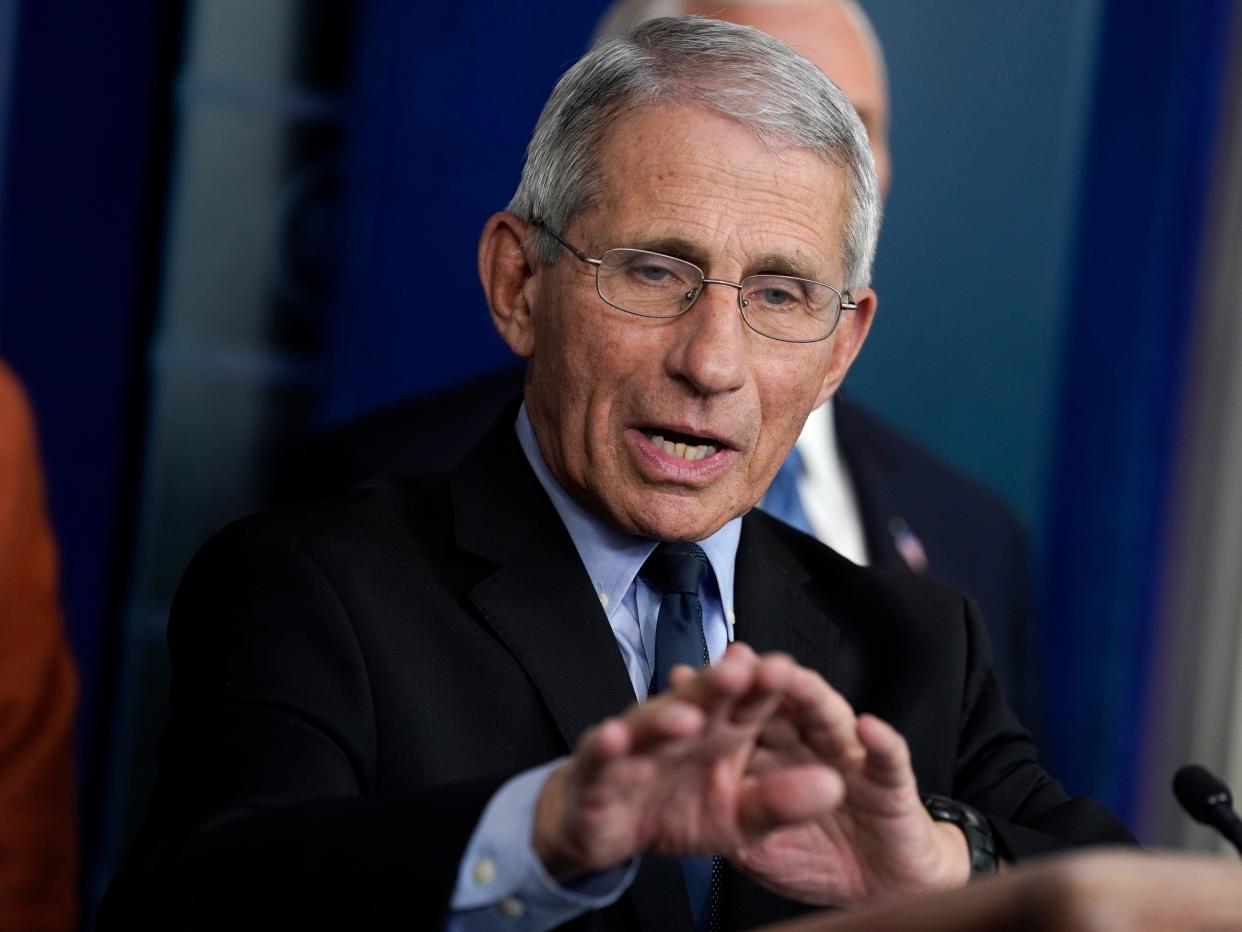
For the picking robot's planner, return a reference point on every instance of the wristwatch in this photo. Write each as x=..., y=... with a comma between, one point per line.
x=975, y=826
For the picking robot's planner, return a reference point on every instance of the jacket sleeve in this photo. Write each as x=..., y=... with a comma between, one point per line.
x=265, y=813
x=997, y=771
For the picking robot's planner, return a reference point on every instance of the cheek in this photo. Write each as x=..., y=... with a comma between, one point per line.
x=585, y=368
x=789, y=391
x=791, y=377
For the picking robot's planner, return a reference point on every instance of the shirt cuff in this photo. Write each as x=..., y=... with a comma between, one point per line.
x=501, y=883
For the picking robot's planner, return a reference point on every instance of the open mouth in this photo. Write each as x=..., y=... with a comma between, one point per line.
x=683, y=446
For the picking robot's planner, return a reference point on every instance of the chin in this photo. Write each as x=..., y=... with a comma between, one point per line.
x=678, y=522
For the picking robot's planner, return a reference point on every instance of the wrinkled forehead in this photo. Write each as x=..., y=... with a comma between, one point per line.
x=665, y=137
x=675, y=172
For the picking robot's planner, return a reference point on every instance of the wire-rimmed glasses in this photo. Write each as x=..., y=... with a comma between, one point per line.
x=651, y=284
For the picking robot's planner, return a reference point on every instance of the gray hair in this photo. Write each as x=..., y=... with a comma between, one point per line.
x=737, y=71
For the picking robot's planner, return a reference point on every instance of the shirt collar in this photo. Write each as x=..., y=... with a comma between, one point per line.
x=818, y=442
x=612, y=557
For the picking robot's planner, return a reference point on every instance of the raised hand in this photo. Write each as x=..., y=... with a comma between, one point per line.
x=880, y=840
x=677, y=774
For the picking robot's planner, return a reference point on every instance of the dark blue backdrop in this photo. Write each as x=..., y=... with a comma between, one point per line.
x=443, y=101
x=1145, y=185
x=445, y=98
x=82, y=202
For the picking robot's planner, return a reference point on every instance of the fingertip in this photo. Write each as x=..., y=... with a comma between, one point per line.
x=874, y=731
x=680, y=674
x=734, y=672
x=888, y=755
x=609, y=738
x=681, y=719
x=776, y=671
x=740, y=649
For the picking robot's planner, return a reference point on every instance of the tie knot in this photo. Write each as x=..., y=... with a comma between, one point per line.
x=675, y=567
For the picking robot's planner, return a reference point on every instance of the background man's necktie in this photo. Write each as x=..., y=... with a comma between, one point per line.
x=676, y=570
x=782, y=499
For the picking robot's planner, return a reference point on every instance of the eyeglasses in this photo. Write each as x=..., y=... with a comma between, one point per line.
x=649, y=284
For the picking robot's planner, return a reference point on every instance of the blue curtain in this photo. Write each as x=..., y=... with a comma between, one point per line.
x=1144, y=187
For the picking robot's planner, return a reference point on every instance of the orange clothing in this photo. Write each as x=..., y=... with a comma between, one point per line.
x=38, y=692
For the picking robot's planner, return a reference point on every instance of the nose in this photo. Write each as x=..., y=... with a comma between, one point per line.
x=709, y=352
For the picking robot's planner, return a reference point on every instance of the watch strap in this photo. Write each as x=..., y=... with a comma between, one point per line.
x=974, y=826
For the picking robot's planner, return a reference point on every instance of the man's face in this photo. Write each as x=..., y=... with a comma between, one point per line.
x=833, y=36
x=603, y=383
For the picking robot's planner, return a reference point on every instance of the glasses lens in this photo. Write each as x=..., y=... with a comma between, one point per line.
x=647, y=283
x=795, y=309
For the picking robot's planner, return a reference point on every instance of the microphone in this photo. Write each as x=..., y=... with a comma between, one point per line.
x=1208, y=801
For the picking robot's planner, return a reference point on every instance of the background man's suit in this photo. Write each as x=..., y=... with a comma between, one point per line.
x=341, y=668
x=972, y=540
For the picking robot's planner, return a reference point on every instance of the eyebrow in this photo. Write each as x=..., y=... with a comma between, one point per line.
x=674, y=246
x=785, y=265
x=771, y=264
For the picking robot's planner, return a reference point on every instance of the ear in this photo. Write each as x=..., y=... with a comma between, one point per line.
x=848, y=340
x=507, y=275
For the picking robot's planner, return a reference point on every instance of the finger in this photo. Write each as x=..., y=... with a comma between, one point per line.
x=888, y=755
x=660, y=720
x=779, y=745
x=787, y=796
x=781, y=735
x=825, y=719
x=735, y=651
x=606, y=741
x=772, y=673
x=740, y=649
x=681, y=674
x=716, y=688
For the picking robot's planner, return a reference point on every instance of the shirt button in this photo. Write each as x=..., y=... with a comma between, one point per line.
x=484, y=871
x=603, y=599
x=512, y=908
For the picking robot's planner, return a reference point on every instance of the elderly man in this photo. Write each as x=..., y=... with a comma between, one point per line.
x=854, y=481
x=372, y=699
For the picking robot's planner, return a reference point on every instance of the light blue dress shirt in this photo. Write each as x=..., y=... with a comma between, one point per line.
x=501, y=883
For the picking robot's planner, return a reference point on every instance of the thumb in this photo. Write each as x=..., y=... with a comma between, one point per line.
x=787, y=796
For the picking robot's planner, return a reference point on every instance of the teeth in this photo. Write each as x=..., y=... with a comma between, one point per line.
x=690, y=454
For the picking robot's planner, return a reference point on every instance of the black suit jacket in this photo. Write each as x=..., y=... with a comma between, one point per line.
x=972, y=539
x=351, y=680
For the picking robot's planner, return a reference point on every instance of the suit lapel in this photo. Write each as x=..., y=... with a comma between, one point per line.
x=538, y=599
x=775, y=613
x=541, y=604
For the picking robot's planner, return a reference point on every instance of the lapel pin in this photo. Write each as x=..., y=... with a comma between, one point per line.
x=908, y=545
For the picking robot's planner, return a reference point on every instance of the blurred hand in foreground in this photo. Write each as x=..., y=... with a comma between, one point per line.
x=1096, y=891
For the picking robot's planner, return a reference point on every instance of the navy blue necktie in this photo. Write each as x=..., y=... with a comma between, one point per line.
x=676, y=570
x=782, y=499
